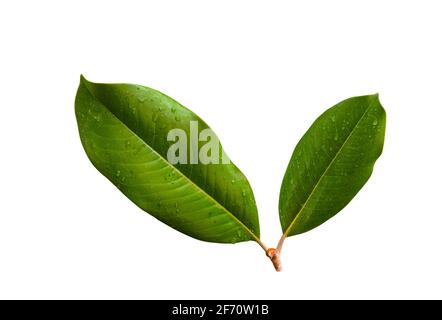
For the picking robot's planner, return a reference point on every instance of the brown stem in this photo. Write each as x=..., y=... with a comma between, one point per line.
x=280, y=243
x=262, y=245
x=274, y=256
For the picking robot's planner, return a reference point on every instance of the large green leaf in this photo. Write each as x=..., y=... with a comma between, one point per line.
x=331, y=163
x=124, y=128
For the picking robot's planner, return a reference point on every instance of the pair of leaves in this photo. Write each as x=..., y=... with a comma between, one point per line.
x=123, y=129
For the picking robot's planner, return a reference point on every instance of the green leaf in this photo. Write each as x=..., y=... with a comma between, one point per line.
x=331, y=163
x=124, y=129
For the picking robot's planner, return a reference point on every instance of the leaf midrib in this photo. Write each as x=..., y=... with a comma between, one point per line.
x=299, y=213
x=199, y=189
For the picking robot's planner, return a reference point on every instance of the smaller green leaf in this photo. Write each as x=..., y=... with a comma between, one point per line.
x=331, y=163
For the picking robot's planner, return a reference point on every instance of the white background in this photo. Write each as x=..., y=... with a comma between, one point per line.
x=259, y=72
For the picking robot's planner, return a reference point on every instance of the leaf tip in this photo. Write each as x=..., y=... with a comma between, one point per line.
x=85, y=83
x=376, y=96
x=82, y=78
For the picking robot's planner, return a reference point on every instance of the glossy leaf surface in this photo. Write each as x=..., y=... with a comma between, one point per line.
x=124, y=129
x=331, y=163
